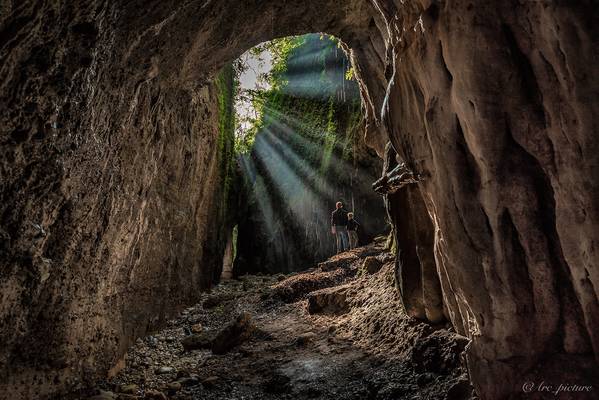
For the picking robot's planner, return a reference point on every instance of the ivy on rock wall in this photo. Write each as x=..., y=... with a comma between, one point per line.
x=226, y=85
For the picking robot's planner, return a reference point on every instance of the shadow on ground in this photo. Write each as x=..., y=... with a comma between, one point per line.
x=332, y=332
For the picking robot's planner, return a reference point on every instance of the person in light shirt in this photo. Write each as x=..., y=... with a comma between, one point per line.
x=352, y=230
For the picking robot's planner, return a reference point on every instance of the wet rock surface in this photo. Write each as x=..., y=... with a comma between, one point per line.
x=288, y=353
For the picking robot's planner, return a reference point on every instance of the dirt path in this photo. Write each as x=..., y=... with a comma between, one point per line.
x=355, y=345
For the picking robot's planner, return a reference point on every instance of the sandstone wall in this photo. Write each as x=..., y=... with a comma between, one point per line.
x=494, y=102
x=111, y=208
x=107, y=124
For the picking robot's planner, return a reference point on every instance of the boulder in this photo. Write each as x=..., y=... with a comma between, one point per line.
x=210, y=382
x=214, y=301
x=232, y=335
x=174, y=386
x=191, y=380
x=197, y=328
x=155, y=395
x=196, y=342
x=371, y=265
x=104, y=395
x=164, y=370
x=439, y=352
x=305, y=338
x=460, y=390
x=329, y=301
x=128, y=388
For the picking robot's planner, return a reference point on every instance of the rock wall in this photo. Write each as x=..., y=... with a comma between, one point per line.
x=493, y=104
x=416, y=274
x=111, y=211
x=107, y=121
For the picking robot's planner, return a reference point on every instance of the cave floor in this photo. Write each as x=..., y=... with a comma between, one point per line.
x=290, y=353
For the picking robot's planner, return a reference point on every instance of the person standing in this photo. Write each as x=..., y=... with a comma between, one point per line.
x=352, y=230
x=339, y=227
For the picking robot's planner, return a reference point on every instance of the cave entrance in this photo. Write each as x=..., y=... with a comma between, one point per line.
x=299, y=146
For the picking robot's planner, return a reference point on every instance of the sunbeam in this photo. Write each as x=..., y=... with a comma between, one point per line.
x=301, y=159
x=291, y=136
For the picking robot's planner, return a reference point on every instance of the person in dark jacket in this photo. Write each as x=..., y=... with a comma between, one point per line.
x=352, y=230
x=339, y=227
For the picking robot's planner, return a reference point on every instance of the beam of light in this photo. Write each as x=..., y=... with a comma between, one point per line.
x=264, y=203
x=300, y=192
x=292, y=183
x=280, y=233
x=303, y=169
x=295, y=196
x=308, y=208
x=288, y=139
x=286, y=222
x=283, y=180
x=290, y=171
x=291, y=136
x=319, y=182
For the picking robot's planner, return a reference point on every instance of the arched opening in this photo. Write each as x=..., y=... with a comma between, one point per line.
x=298, y=150
x=301, y=150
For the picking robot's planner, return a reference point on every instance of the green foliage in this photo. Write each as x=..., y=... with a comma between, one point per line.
x=351, y=134
x=319, y=114
x=329, y=138
x=350, y=74
x=227, y=84
x=234, y=236
x=281, y=50
x=244, y=139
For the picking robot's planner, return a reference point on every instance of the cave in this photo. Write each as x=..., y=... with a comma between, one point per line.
x=113, y=217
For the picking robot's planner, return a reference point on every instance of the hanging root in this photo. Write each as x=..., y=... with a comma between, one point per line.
x=395, y=179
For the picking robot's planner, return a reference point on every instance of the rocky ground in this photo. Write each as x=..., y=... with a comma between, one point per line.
x=333, y=332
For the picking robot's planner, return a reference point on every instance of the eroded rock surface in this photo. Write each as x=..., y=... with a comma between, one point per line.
x=492, y=103
x=112, y=208
x=294, y=355
x=109, y=176
x=329, y=301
